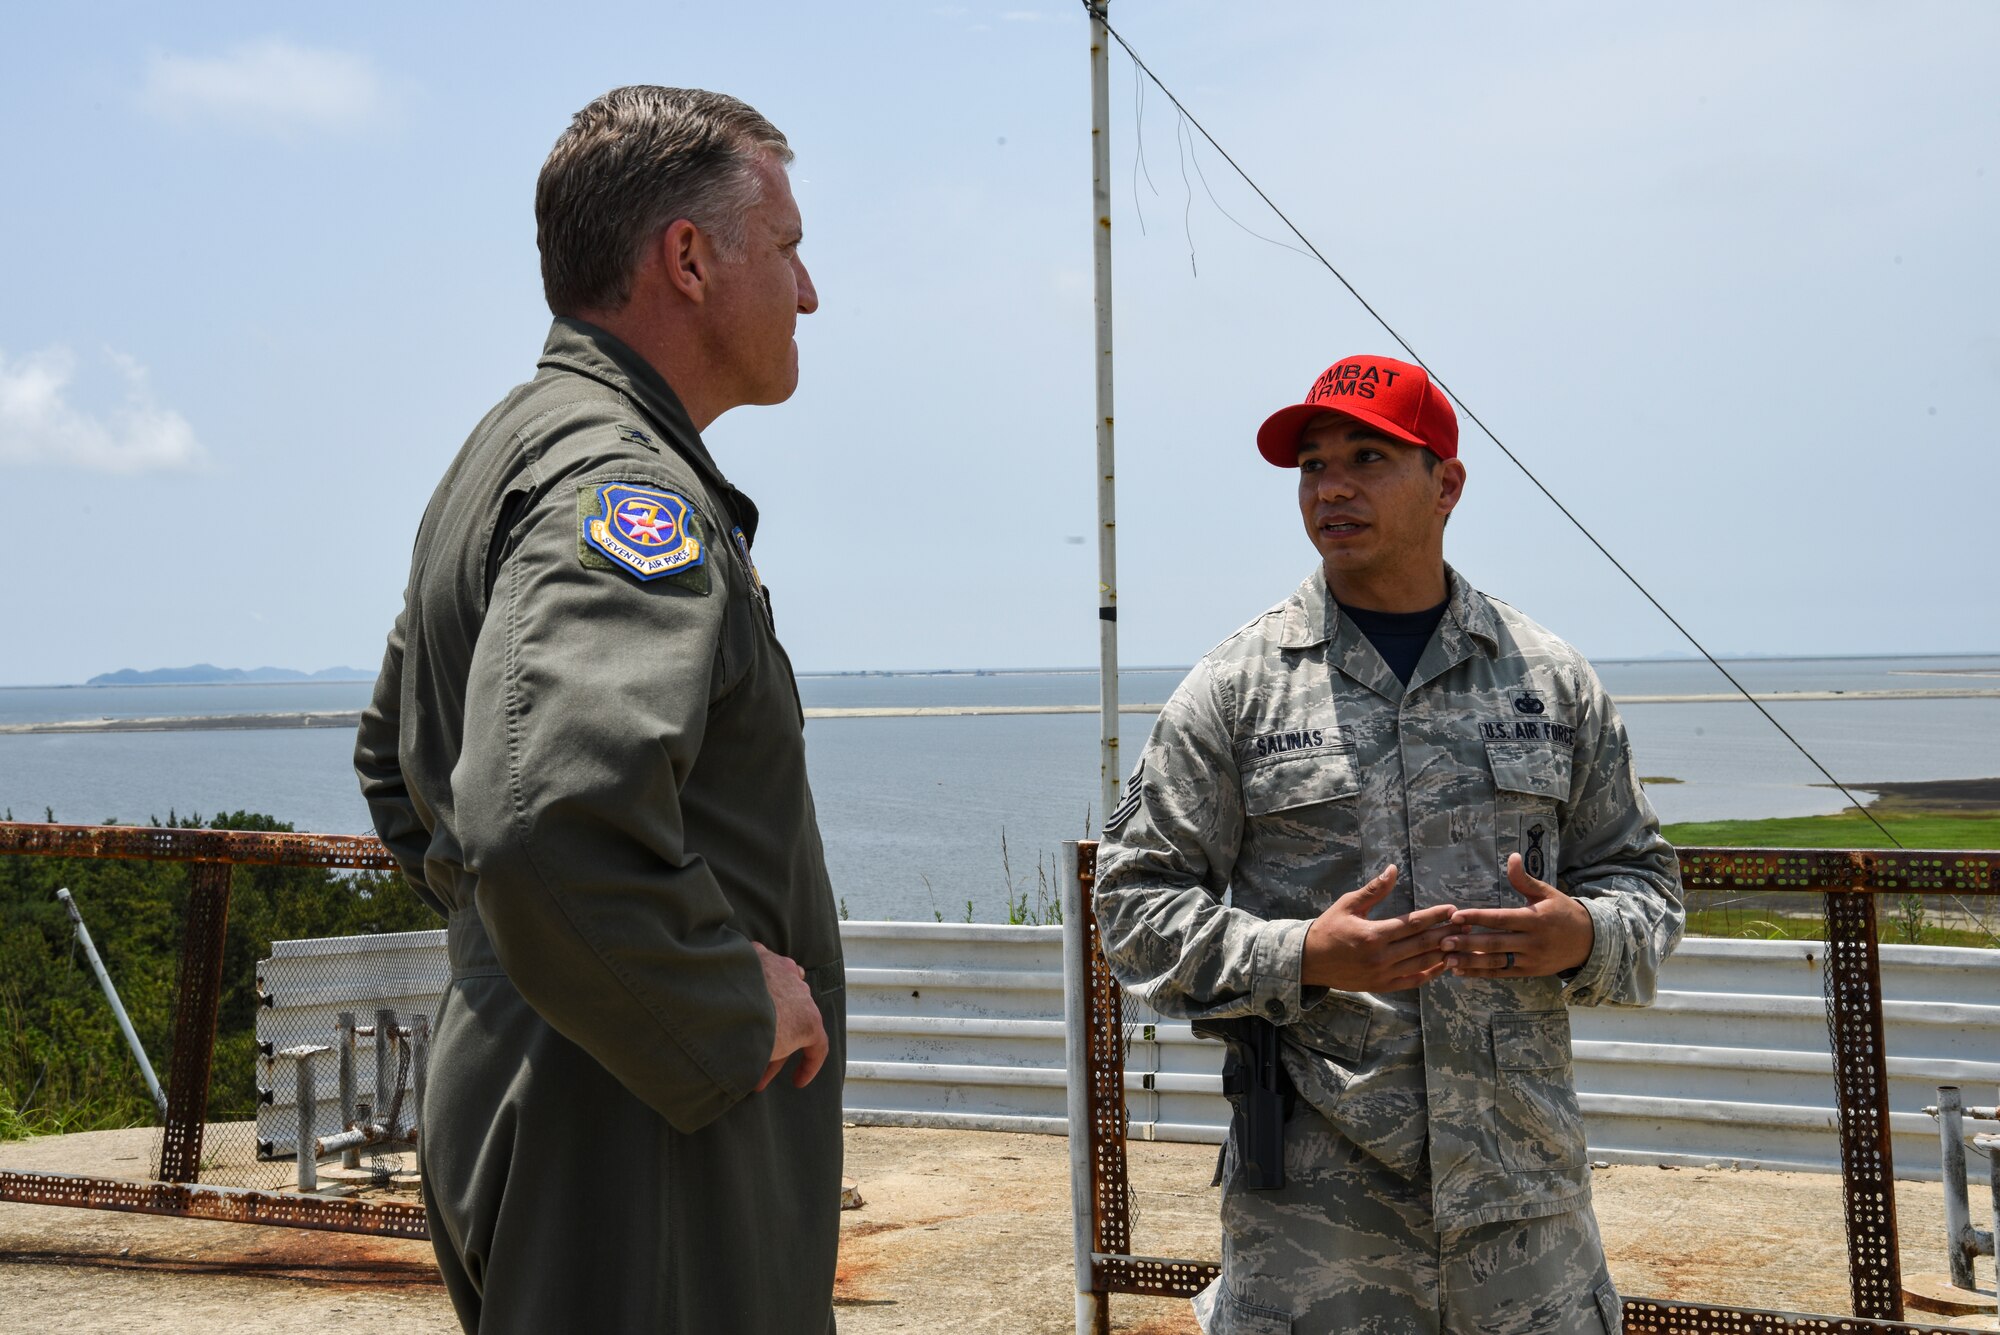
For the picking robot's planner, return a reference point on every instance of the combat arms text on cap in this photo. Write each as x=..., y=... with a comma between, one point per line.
x=1394, y=397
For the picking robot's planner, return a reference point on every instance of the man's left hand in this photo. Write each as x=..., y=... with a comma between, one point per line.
x=1551, y=934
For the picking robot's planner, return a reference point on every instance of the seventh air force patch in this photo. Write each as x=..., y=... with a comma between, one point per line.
x=645, y=531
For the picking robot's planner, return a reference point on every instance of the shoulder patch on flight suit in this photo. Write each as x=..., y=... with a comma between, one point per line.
x=647, y=532
x=632, y=435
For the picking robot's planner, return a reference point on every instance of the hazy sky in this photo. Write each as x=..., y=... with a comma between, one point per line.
x=1723, y=274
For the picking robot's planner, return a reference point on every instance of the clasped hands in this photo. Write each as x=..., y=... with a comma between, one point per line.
x=1348, y=950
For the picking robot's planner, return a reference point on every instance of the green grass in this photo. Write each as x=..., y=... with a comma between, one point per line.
x=1849, y=829
x=24, y=1124
x=1768, y=926
x=1903, y=919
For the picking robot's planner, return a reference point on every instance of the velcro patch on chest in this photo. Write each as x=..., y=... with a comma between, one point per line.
x=648, y=532
x=1286, y=741
x=1527, y=730
x=743, y=549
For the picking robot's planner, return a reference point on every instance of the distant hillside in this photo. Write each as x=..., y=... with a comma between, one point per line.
x=208, y=672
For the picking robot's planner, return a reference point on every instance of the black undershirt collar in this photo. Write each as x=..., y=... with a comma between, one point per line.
x=1400, y=637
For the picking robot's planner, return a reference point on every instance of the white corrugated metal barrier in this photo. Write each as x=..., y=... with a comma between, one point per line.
x=961, y=1026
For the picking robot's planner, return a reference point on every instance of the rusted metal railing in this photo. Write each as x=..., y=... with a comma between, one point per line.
x=1847, y=882
x=177, y=1188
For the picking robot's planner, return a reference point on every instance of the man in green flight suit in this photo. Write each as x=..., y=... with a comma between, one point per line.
x=586, y=750
x=1399, y=821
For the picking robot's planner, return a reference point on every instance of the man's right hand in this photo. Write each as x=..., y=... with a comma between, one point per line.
x=799, y=1027
x=1348, y=950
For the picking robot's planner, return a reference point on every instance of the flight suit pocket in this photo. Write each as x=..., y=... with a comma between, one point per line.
x=1529, y=783
x=829, y=989
x=1538, y=1123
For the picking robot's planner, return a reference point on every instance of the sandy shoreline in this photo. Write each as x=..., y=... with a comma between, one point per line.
x=351, y=718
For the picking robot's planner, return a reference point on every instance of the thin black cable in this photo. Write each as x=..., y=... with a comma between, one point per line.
x=1202, y=176
x=1097, y=13
x=1139, y=152
x=1181, y=140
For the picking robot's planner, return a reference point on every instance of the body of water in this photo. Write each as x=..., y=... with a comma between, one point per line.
x=914, y=810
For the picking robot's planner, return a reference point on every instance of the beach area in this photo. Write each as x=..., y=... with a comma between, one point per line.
x=350, y=719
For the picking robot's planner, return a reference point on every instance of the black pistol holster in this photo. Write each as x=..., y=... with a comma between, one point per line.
x=1260, y=1097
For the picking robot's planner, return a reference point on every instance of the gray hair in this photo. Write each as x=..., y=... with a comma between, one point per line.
x=630, y=164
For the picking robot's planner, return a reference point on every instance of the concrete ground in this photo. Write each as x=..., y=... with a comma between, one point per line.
x=961, y=1231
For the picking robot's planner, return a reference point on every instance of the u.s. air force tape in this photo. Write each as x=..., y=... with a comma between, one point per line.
x=648, y=532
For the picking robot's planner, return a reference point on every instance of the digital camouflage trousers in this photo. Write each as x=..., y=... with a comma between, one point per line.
x=1348, y=1246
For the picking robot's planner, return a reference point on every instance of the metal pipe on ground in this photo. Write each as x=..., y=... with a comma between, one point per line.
x=1958, y=1241
x=420, y=1067
x=1990, y=1146
x=349, y=1140
x=344, y=1040
x=1963, y=1241
x=364, y=1136
x=385, y=1064
x=308, y=1113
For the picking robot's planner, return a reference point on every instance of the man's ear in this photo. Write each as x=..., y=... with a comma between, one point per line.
x=683, y=254
x=1451, y=485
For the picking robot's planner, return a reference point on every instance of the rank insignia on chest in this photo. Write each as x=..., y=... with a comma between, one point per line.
x=644, y=531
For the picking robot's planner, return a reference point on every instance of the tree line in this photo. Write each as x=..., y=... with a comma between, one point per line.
x=63, y=1064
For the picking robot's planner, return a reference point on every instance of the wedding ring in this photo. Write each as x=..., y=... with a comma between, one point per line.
x=1510, y=959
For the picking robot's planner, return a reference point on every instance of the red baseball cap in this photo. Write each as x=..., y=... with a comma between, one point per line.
x=1394, y=397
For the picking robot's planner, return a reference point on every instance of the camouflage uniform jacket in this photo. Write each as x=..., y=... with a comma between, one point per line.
x=1291, y=767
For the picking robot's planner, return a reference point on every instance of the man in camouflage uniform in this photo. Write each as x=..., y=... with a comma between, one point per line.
x=1400, y=821
x=586, y=751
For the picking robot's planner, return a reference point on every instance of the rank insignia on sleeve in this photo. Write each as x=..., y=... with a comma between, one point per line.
x=644, y=531
x=1134, y=794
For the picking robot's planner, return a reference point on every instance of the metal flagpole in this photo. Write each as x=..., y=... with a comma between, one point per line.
x=1093, y=1314
x=1111, y=772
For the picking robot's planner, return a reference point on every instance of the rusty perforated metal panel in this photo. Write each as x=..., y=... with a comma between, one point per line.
x=1155, y=1276
x=1853, y=981
x=1111, y=1228
x=166, y=844
x=1854, y=1014
x=1649, y=1316
x=203, y=929
x=1810, y=870
x=230, y=1205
